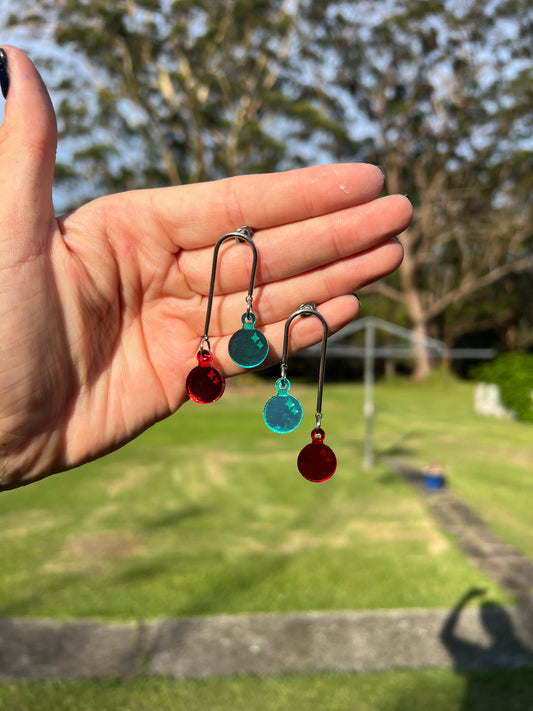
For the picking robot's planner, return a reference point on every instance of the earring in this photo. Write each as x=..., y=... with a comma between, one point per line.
x=248, y=347
x=283, y=412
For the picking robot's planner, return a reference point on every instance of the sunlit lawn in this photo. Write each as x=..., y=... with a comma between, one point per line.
x=435, y=690
x=489, y=462
x=206, y=512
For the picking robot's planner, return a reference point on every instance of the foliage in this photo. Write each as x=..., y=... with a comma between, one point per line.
x=513, y=374
x=446, y=91
x=154, y=92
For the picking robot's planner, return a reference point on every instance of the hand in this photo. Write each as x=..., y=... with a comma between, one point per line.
x=102, y=310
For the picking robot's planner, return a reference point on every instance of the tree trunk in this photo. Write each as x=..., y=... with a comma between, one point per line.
x=390, y=368
x=417, y=315
x=422, y=360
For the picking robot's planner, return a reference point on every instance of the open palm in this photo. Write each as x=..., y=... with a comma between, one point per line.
x=102, y=311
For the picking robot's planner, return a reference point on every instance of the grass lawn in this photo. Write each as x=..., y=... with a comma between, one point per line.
x=437, y=690
x=489, y=462
x=206, y=513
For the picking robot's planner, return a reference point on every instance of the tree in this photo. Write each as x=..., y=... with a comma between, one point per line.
x=446, y=91
x=171, y=92
x=439, y=94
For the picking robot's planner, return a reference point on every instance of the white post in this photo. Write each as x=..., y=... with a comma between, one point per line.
x=370, y=343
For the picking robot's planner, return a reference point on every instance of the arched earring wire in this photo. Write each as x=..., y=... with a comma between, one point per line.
x=247, y=347
x=317, y=462
x=243, y=234
x=283, y=412
x=308, y=310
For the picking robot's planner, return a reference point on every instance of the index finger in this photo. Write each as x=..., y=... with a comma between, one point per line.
x=197, y=215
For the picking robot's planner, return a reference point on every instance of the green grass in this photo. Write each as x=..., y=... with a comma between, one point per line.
x=206, y=513
x=488, y=462
x=438, y=690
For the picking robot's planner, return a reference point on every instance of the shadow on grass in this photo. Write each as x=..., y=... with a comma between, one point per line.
x=237, y=581
x=509, y=690
x=495, y=690
x=29, y=598
x=400, y=448
x=224, y=591
x=173, y=518
x=503, y=651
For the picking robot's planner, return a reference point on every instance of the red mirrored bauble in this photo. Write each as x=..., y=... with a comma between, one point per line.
x=317, y=462
x=205, y=384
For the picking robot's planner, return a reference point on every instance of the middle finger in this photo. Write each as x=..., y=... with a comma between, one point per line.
x=289, y=250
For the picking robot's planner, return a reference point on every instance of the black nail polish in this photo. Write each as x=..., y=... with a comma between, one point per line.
x=4, y=73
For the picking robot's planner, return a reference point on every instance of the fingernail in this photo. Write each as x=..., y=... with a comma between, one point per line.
x=358, y=299
x=4, y=73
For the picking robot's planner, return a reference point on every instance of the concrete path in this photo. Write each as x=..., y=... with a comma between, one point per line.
x=508, y=567
x=263, y=644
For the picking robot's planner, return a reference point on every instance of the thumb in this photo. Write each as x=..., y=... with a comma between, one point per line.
x=28, y=142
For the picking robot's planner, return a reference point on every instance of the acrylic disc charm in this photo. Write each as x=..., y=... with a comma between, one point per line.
x=248, y=347
x=204, y=383
x=283, y=412
x=317, y=462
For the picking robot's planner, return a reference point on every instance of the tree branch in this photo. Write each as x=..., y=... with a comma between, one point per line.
x=472, y=284
x=383, y=289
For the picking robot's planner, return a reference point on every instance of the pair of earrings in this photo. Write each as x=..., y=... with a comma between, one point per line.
x=248, y=348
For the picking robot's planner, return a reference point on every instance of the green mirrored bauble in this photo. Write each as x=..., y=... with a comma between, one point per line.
x=248, y=347
x=283, y=412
